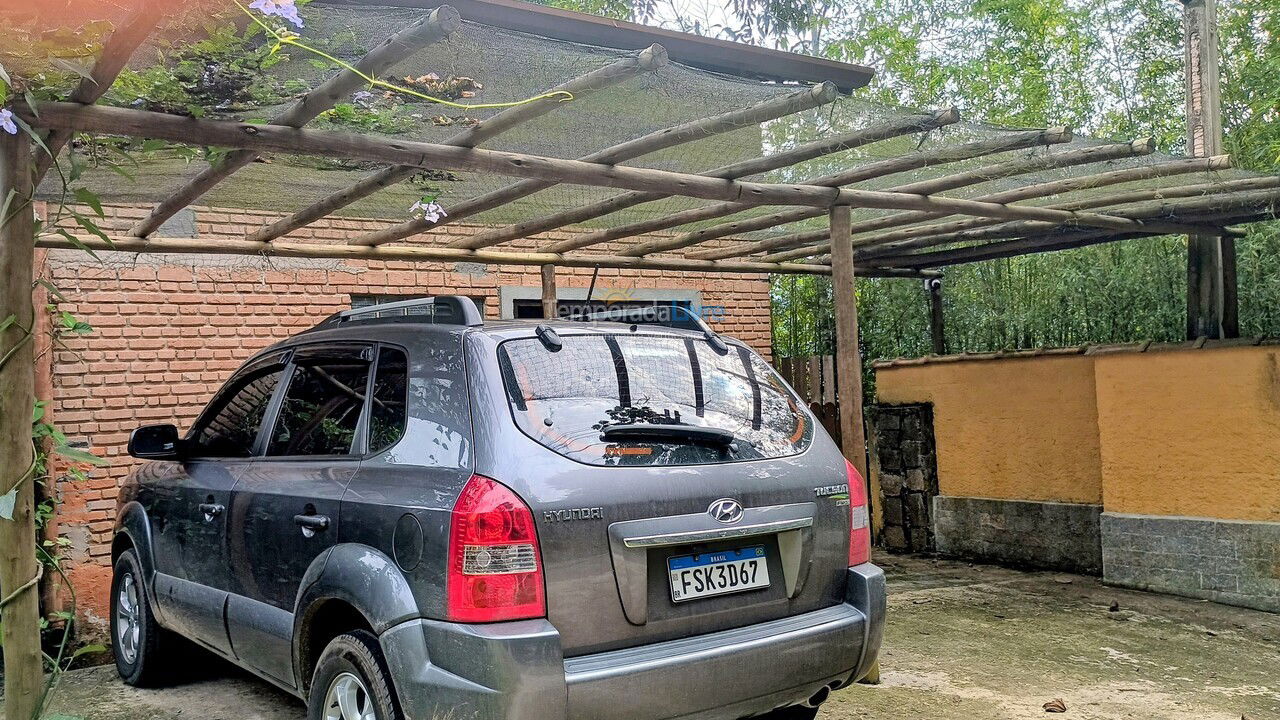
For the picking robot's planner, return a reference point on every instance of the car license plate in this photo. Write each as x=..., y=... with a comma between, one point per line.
x=717, y=573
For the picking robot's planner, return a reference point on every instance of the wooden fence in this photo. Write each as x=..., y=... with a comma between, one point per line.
x=814, y=378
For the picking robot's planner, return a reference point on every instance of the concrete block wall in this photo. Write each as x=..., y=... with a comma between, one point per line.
x=1227, y=561
x=1047, y=535
x=168, y=330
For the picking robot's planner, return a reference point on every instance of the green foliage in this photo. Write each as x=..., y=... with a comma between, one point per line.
x=1110, y=68
x=616, y=9
x=224, y=72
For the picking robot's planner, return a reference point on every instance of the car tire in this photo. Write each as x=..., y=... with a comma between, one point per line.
x=351, y=679
x=140, y=645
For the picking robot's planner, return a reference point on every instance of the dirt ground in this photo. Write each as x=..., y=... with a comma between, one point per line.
x=963, y=641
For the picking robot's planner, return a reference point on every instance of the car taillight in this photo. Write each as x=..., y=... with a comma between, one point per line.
x=495, y=569
x=859, y=519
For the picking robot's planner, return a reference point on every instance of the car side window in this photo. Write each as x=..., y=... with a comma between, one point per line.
x=320, y=412
x=387, y=415
x=229, y=427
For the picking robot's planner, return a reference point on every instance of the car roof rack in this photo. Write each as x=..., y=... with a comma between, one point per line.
x=665, y=315
x=438, y=310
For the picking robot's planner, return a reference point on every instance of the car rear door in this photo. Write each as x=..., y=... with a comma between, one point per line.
x=284, y=509
x=628, y=528
x=186, y=503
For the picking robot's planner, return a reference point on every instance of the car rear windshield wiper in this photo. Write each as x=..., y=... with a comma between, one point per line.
x=666, y=433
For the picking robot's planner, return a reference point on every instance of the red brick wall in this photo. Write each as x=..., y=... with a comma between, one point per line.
x=168, y=330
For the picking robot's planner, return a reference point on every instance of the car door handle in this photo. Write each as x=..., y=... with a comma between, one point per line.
x=311, y=524
x=211, y=511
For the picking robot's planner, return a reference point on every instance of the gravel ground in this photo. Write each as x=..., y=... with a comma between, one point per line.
x=963, y=641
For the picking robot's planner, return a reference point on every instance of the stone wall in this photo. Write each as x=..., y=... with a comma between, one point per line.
x=1047, y=535
x=904, y=465
x=1230, y=561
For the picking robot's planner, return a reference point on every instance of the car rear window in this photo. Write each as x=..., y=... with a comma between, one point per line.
x=568, y=399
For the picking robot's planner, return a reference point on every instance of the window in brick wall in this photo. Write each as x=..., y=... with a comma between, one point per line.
x=364, y=301
x=532, y=309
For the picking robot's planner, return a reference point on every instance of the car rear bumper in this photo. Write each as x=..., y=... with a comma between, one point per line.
x=515, y=671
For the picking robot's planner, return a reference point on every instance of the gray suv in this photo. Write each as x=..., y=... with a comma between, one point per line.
x=407, y=512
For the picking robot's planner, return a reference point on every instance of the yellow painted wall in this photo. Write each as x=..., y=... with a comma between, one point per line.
x=1013, y=429
x=1193, y=432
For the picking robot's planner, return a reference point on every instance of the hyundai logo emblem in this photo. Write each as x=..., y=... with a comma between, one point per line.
x=726, y=510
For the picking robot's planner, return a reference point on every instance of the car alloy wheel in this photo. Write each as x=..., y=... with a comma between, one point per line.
x=348, y=699
x=128, y=618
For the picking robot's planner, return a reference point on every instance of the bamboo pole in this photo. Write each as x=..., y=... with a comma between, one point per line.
x=846, y=141
x=659, y=140
x=647, y=60
x=1010, y=168
x=19, y=570
x=1046, y=189
x=869, y=171
x=438, y=25
x=121, y=121
x=115, y=54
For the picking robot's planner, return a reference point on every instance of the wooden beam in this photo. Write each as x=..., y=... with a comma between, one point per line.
x=1207, y=279
x=646, y=60
x=1046, y=189
x=861, y=173
x=653, y=142
x=19, y=585
x=572, y=216
x=354, y=146
x=1160, y=203
x=550, y=305
x=115, y=54
x=1063, y=239
x=438, y=25
x=420, y=254
x=987, y=173
x=808, y=151
x=770, y=109
x=848, y=356
x=141, y=123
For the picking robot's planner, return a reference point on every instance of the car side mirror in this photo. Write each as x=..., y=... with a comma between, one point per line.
x=156, y=442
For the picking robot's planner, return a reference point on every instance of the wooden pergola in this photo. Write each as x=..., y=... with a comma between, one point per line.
x=927, y=228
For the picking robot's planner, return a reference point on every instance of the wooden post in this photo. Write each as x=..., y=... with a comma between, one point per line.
x=848, y=356
x=1211, y=277
x=24, y=672
x=550, y=307
x=937, y=330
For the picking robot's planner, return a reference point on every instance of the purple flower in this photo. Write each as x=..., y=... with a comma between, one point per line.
x=426, y=209
x=280, y=8
x=6, y=122
x=364, y=97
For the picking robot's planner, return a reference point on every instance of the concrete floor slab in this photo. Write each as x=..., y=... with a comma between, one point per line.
x=963, y=641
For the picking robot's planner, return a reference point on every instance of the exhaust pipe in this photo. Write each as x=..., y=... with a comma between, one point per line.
x=818, y=698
